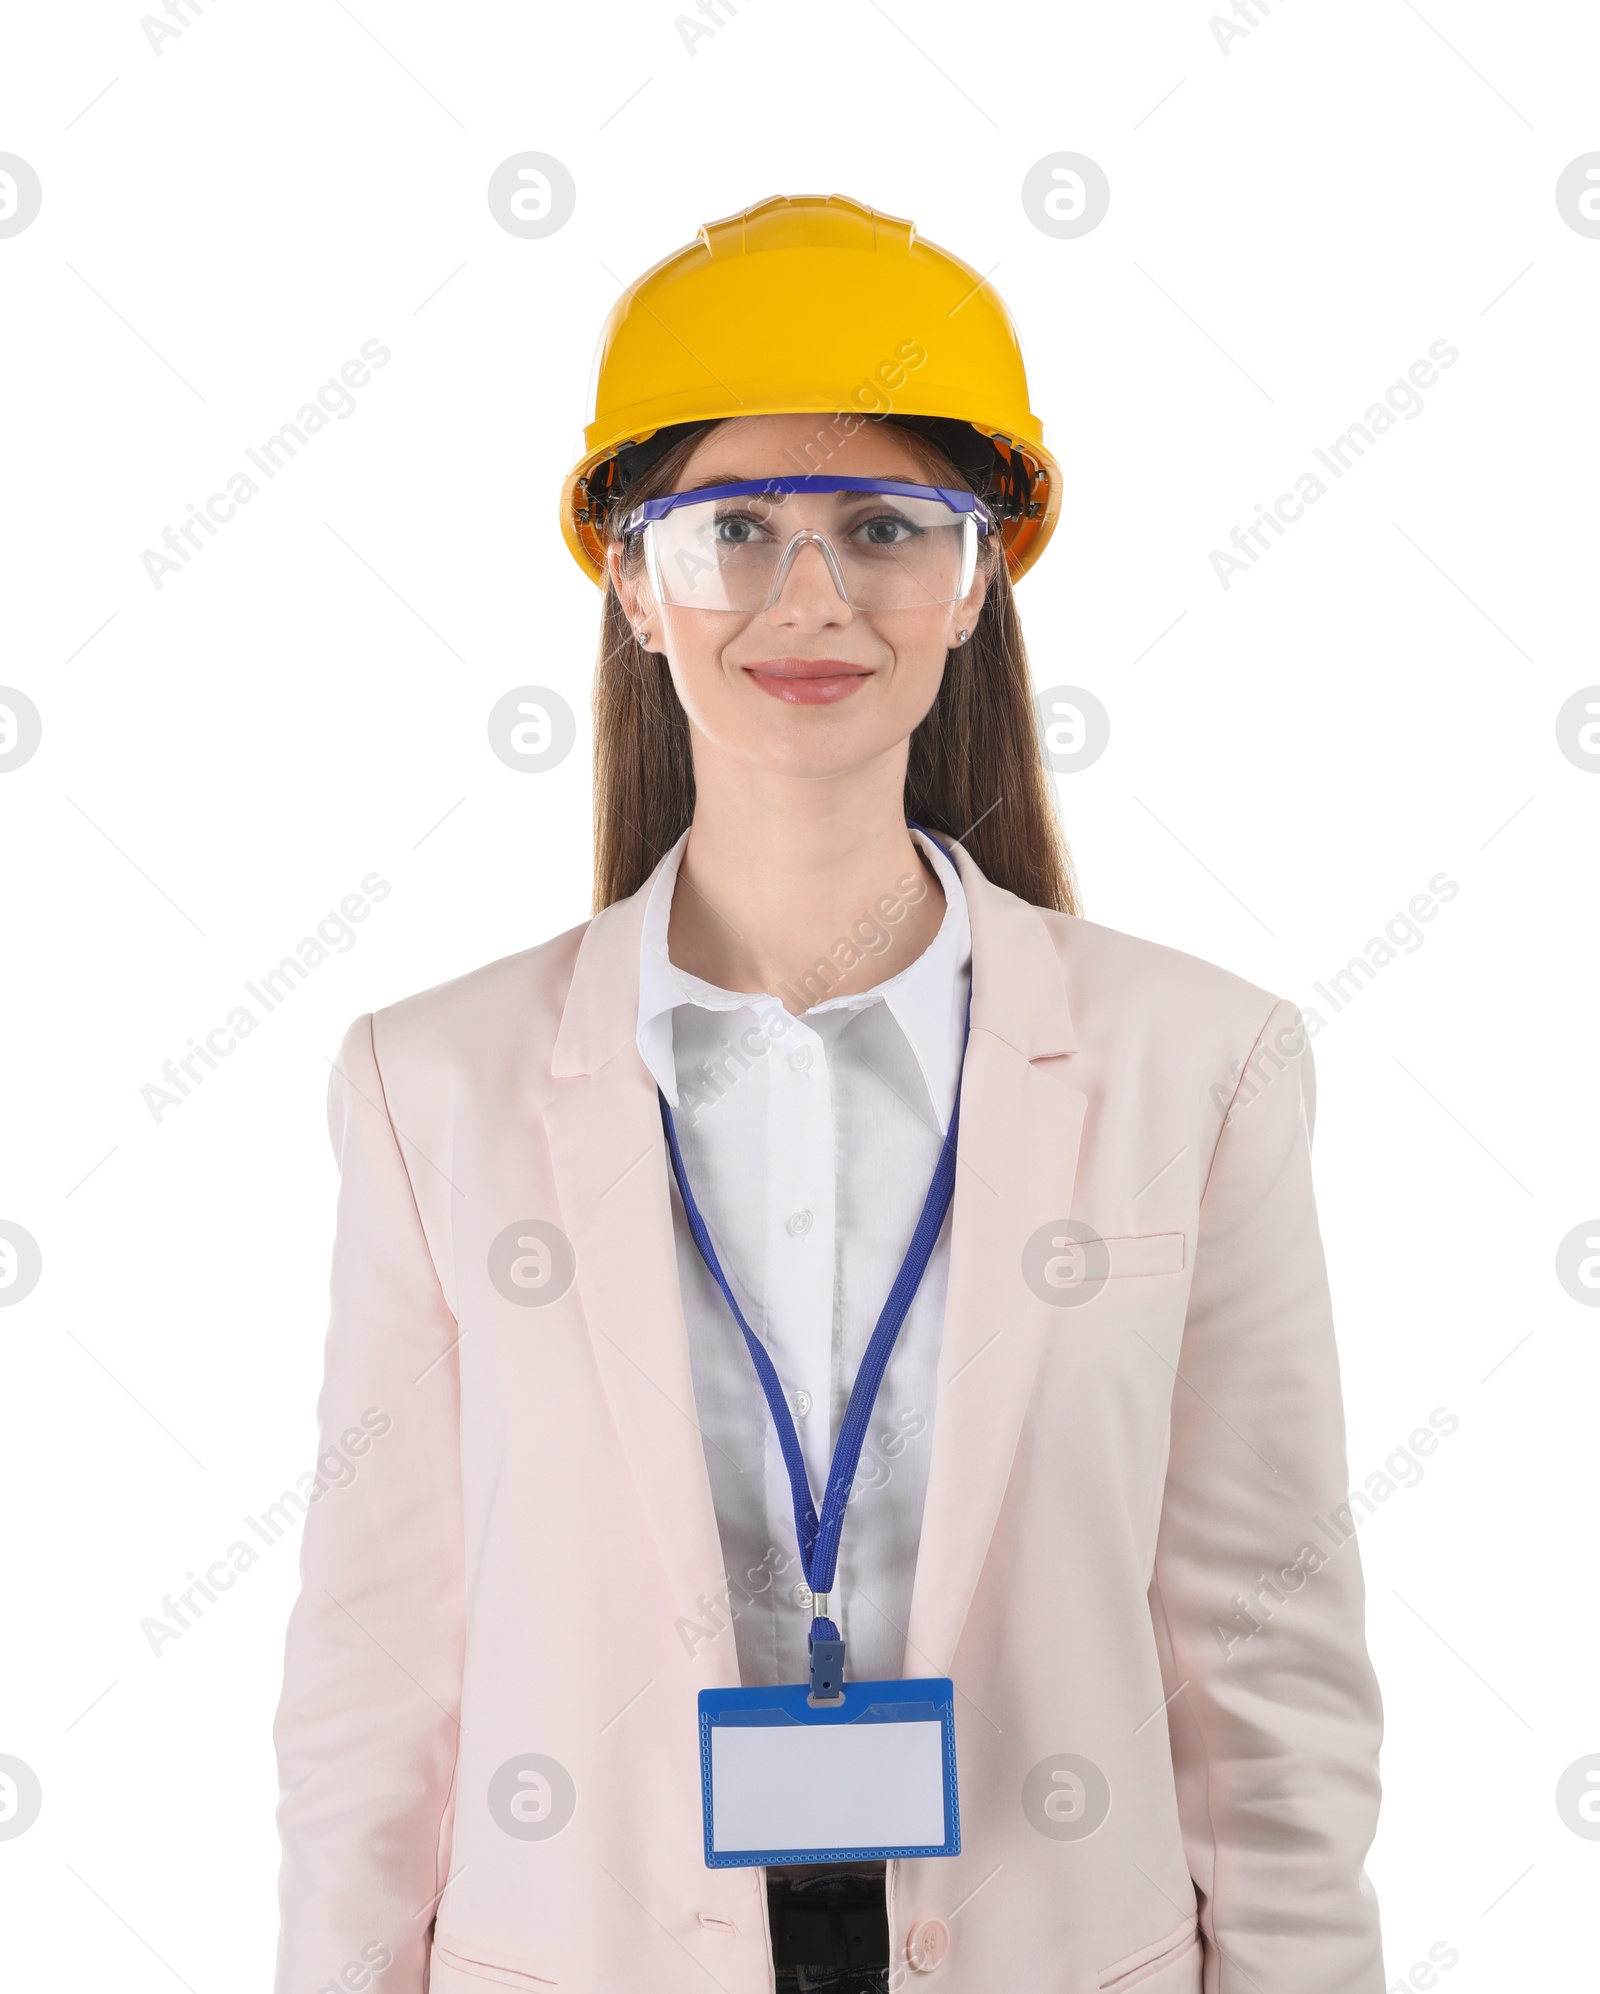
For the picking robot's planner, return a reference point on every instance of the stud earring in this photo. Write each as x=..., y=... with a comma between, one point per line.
x=961, y=636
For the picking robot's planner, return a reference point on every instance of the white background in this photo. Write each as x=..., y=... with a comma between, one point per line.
x=1292, y=223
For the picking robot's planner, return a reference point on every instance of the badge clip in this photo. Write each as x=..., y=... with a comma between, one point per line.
x=827, y=1671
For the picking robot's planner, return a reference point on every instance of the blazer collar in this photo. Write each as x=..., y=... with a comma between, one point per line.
x=1018, y=991
x=1026, y=1005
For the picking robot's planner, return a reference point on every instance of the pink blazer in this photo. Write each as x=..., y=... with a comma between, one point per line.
x=1133, y=1563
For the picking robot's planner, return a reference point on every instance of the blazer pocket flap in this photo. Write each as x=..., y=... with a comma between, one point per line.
x=1140, y=1968
x=501, y=1969
x=1146, y=1253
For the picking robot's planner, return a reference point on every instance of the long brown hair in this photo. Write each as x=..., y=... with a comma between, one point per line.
x=974, y=771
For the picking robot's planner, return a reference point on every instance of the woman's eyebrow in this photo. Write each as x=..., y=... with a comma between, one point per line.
x=771, y=498
x=722, y=478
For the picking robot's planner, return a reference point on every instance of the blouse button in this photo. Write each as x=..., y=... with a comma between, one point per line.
x=799, y=1222
x=801, y=1403
x=802, y=1596
x=800, y=1058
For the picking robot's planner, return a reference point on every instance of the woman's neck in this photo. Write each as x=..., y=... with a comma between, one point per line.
x=808, y=888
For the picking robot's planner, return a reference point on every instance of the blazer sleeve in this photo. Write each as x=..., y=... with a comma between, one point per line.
x=1257, y=1595
x=367, y=1723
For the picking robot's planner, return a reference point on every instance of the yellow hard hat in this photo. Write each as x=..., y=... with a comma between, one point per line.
x=806, y=304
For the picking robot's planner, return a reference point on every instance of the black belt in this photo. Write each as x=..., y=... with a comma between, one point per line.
x=828, y=1919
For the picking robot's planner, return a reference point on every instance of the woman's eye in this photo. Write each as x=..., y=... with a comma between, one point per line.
x=884, y=531
x=736, y=529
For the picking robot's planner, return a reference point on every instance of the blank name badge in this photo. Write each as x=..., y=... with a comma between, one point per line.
x=870, y=1776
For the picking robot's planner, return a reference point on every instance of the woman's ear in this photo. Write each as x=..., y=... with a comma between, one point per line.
x=631, y=594
x=964, y=614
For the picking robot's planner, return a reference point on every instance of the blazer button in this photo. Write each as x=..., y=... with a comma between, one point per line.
x=927, y=1943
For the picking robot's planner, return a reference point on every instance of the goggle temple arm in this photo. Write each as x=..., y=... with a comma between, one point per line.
x=969, y=553
x=652, y=567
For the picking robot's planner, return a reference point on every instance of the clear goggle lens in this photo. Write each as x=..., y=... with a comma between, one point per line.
x=887, y=545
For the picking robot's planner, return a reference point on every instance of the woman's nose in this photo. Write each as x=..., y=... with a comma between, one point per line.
x=807, y=591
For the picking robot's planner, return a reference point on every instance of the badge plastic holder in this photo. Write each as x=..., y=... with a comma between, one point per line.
x=866, y=1776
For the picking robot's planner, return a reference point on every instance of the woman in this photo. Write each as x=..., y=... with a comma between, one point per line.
x=619, y=1215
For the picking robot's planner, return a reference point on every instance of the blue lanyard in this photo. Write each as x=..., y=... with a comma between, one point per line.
x=818, y=1538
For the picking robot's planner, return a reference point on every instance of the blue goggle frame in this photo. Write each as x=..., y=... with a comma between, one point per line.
x=958, y=501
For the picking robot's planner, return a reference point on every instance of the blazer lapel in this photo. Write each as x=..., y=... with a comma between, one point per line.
x=1021, y=1125
x=609, y=1157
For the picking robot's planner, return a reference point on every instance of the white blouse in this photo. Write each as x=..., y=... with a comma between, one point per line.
x=809, y=1143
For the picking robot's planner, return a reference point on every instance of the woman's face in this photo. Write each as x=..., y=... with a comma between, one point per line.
x=809, y=686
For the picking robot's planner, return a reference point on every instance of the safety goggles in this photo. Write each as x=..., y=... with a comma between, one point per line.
x=887, y=545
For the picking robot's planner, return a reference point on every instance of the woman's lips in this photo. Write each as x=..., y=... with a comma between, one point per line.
x=808, y=681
